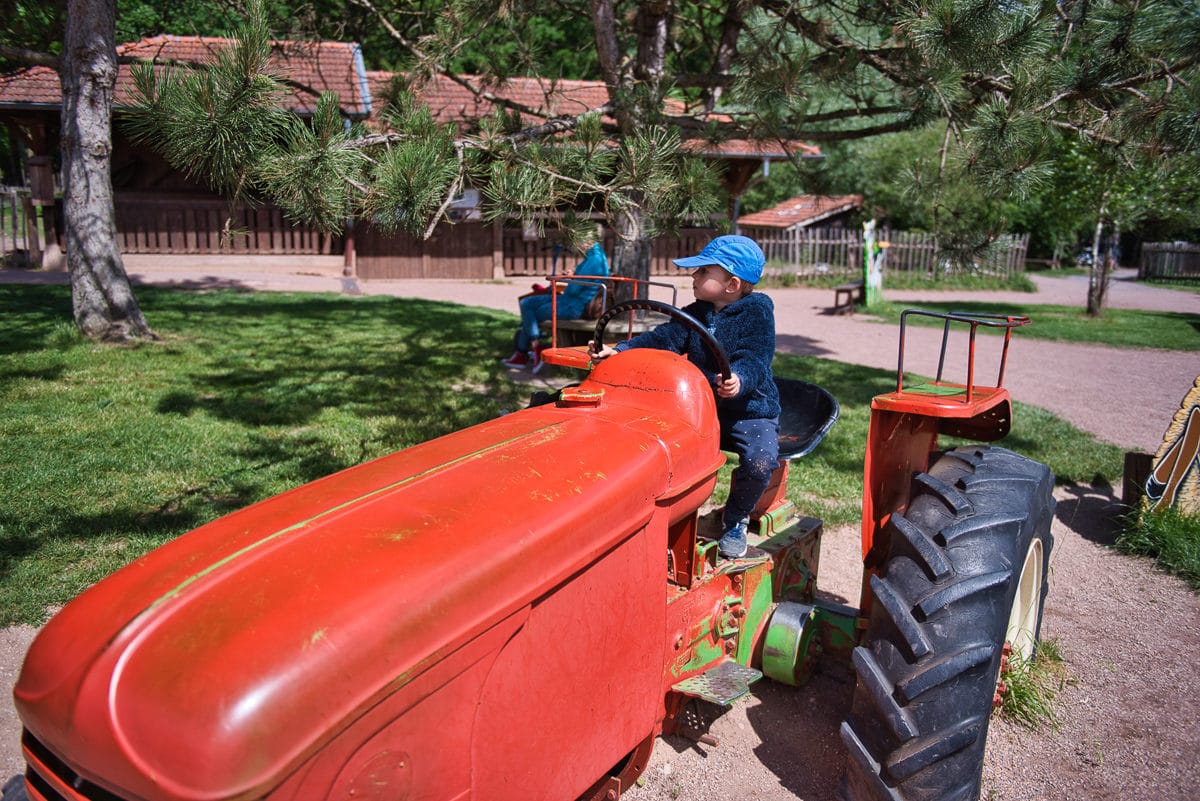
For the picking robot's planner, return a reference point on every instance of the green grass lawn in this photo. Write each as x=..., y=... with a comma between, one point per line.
x=110, y=451
x=1169, y=537
x=1118, y=328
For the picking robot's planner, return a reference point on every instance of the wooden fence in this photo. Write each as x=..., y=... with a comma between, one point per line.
x=524, y=256
x=167, y=225
x=154, y=223
x=838, y=252
x=1170, y=261
x=170, y=225
x=20, y=237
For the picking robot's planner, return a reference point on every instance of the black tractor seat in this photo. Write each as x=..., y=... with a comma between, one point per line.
x=807, y=413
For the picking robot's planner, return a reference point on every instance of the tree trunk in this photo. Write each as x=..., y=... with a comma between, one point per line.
x=633, y=110
x=101, y=295
x=631, y=254
x=1097, y=274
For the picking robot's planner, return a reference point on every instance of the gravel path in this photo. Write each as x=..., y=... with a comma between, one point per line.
x=1128, y=722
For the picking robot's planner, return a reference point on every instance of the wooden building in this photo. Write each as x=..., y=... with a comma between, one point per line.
x=161, y=211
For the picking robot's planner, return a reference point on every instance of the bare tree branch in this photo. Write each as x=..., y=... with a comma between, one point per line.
x=29, y=58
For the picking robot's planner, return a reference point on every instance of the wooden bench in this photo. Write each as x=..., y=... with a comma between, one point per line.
x=846, y=295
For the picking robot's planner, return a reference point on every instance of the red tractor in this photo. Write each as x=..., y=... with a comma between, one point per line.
x=519, y=609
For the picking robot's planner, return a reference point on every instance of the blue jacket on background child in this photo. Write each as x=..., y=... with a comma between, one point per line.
x=743, y=322
x=572, y=301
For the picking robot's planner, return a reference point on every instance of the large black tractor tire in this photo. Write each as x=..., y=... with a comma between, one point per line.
x=966, y=571
x=14, y=790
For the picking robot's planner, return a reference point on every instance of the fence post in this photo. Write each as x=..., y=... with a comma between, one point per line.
x=33, y=242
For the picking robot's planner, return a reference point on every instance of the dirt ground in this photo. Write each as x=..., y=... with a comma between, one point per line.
x=1128, y=720
x=1125, y=730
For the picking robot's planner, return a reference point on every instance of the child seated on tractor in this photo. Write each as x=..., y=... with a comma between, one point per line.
x=743, y=322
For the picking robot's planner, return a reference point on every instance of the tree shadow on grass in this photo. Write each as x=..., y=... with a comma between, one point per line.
x=31, y=314
x=391, y=357
x=247, y=394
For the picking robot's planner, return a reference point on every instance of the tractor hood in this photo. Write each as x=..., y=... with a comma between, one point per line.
x=215, y=665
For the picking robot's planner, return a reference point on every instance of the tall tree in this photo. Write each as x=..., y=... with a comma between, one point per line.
x=103, y=301
x=104, y=304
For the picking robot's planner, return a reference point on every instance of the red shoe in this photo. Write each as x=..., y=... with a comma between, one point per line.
x=536, y=363
x=518, y=359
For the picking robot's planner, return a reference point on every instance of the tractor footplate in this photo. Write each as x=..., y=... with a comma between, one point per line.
x=753, y=556
x=721, y=684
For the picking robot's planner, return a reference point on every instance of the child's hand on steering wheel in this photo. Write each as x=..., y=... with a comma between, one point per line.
x=730, y=387
x=603, y=353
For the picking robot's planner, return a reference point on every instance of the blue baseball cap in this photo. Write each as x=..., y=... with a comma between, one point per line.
x=739, y=255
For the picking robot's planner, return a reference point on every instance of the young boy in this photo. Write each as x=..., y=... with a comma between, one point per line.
x=743, y=322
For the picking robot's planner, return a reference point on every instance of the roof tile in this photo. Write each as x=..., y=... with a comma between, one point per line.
x=801, y=211
x=338, y=67
x=319, y=66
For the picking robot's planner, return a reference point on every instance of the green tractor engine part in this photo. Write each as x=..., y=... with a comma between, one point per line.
x=795, y=552
x=798, y=634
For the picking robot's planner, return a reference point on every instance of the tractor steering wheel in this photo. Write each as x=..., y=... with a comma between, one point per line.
x=691, y=323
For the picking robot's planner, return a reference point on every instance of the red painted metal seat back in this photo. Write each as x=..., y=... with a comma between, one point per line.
x=906, y=423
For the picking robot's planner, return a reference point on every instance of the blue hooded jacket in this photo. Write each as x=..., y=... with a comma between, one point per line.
x=575, y=297
x=746, y=329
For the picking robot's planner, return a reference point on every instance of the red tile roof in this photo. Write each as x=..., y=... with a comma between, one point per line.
x=338, y=67
x=31, y=87
x=801, y=211
x=320, y=66
x=451, y=102
x=754, y=148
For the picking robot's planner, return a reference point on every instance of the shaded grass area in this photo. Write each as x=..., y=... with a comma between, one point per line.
x=1118, y=328
x=110, y=451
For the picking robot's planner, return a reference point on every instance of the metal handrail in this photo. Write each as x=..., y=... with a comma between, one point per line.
x=1006, y=321
x=603, y=281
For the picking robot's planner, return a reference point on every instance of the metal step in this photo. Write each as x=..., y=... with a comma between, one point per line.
x=723, y=683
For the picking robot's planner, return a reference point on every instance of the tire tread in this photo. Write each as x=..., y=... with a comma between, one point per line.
x=927, y=667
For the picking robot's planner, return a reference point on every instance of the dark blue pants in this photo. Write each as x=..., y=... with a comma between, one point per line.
x=756, y=443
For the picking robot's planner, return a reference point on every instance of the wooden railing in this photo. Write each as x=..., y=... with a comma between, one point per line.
x=20, y=238
x=168, y=225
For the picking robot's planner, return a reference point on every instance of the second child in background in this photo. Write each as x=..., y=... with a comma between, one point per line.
x=572, y=301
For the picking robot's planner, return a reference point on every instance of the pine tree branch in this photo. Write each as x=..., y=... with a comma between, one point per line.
x=822, y=36
x=424, y=58
x=1165, y=72
x=556, y=125
x=846, y=135
x=451, y=191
